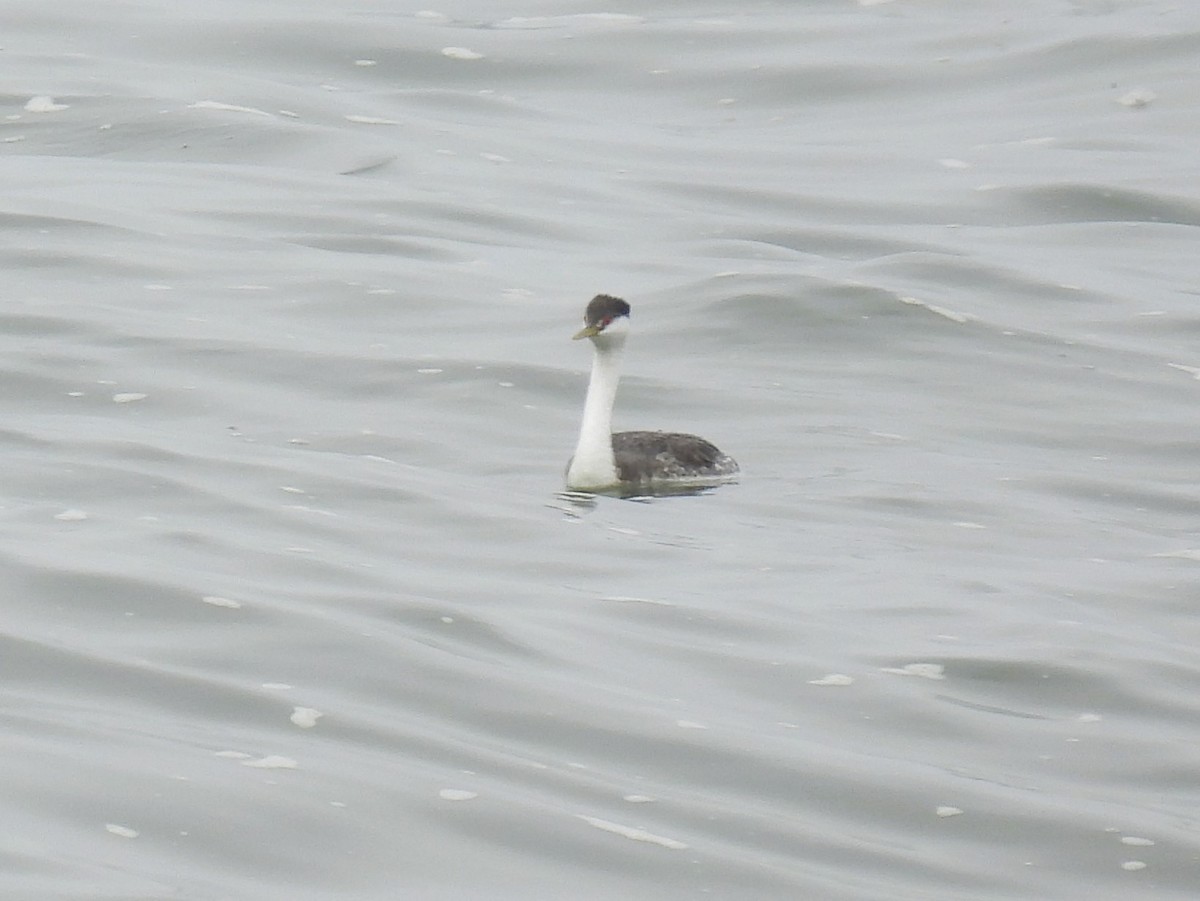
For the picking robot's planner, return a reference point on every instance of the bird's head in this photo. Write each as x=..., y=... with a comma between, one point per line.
x=605, y=317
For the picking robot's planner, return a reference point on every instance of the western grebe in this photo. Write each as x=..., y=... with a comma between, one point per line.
x=630, y=459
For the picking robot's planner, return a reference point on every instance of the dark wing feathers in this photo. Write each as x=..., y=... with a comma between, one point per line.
x=642, y=456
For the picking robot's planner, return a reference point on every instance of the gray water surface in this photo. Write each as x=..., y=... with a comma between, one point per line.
x=295, y=606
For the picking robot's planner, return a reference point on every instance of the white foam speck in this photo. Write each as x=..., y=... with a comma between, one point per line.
x=430, y=371
x=305, y=717
x=1089, y=718
x=128, y=397
x=690, y=724
x=157, y=287
x=272, y=762
x=365, y=62
x=227, y=107
x=371, y=120
x=460, y=53
x=506, y=384
x=952, y=315
x=457, y=794
x=123, y=831
x=1193, y=371
x=1135, y=99
x=637, y=835
x=71, y=515
x=337, y=803
x=1133, y=865
x=528, y=22
x=628, y=599
x=924, y=670
x=947, y=811
x=291, y=490
x=1136, y=840
x=232, y=755
x=217, y=601
x=970, y=525
x=833, y=679
x=954, y=164
x=495, y=158
x=277, y=686
x=316, y=511
x=1182, y=554
x=43, y=104
x=638, y=799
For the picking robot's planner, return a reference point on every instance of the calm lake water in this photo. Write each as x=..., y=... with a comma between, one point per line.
x=295, y=606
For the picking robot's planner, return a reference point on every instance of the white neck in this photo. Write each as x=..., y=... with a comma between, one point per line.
x=593, y=465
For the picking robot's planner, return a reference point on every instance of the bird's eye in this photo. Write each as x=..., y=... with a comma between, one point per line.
x=605, y=322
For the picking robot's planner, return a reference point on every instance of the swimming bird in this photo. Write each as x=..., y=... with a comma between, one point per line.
x=603, y=460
